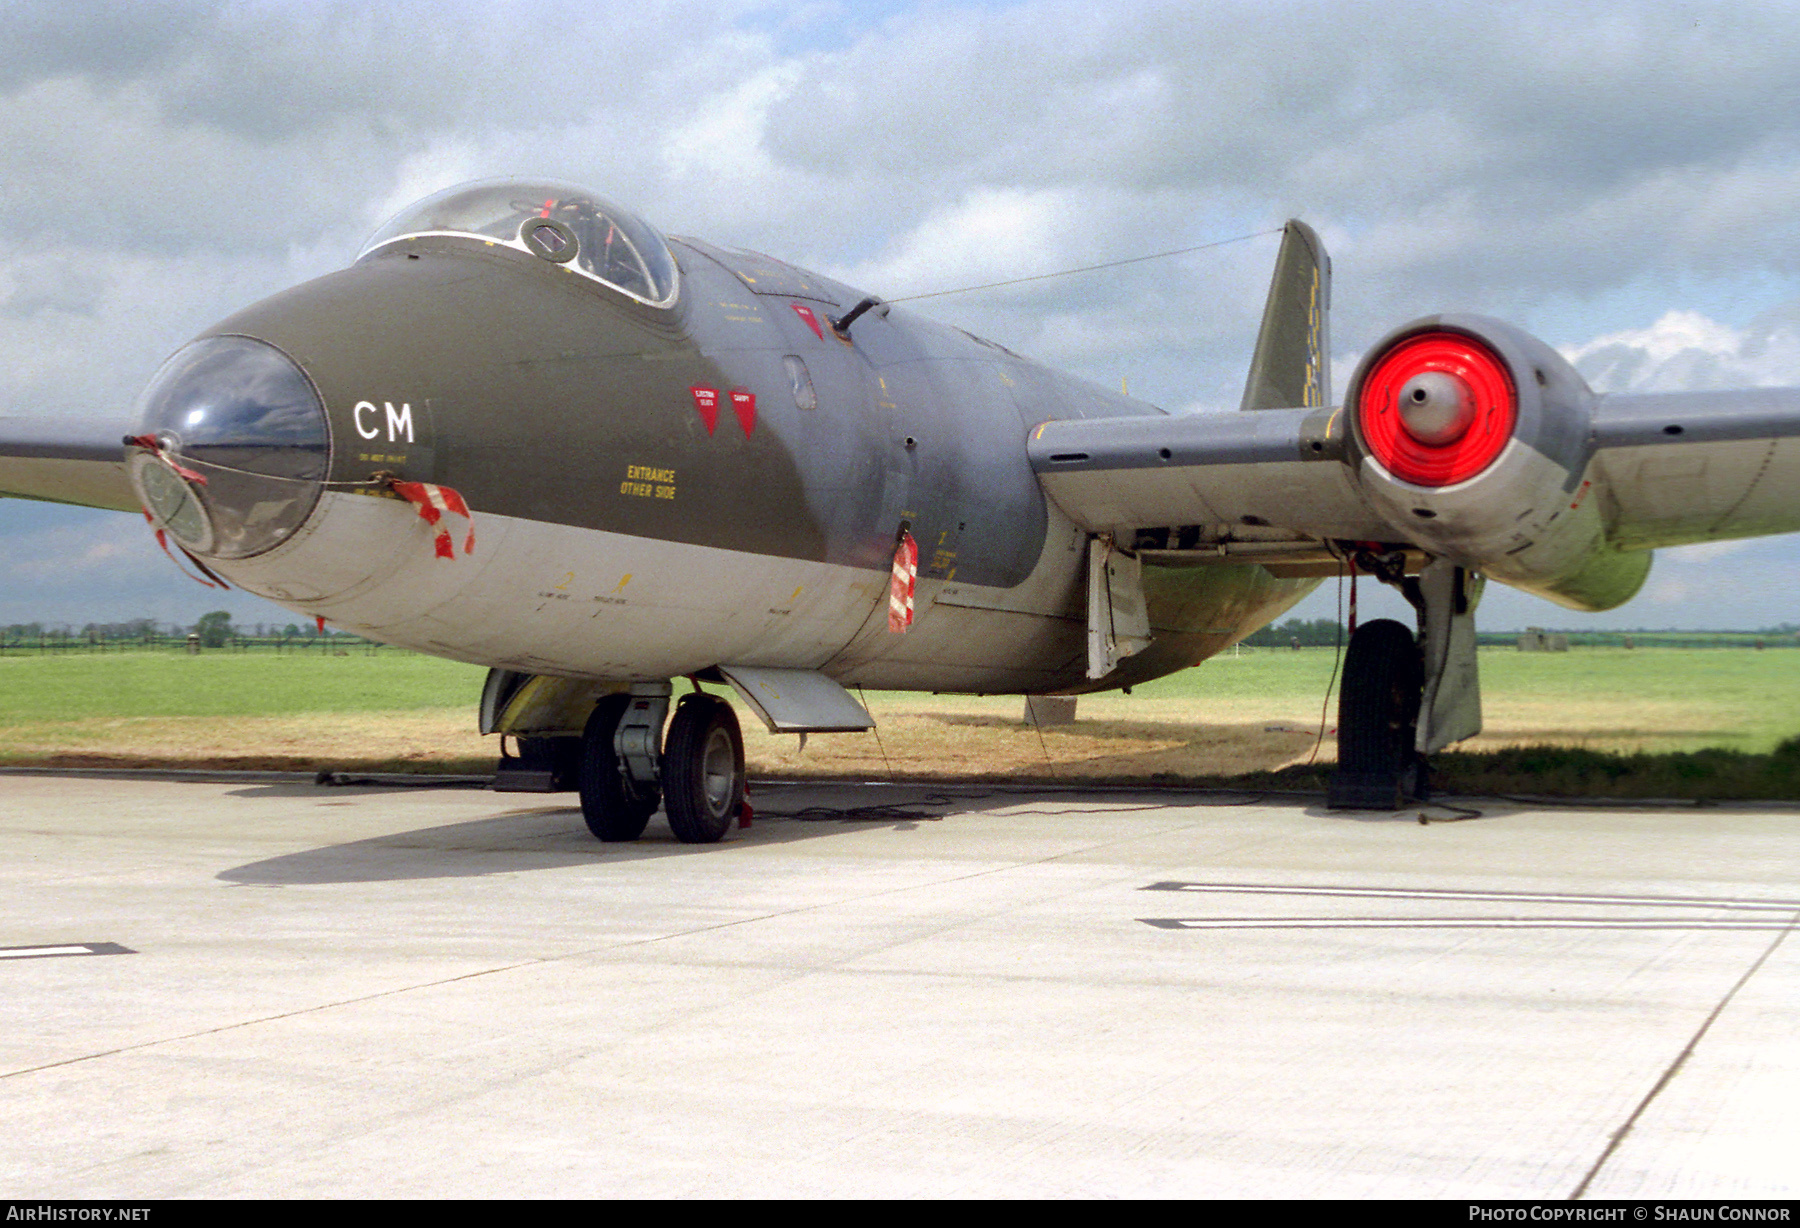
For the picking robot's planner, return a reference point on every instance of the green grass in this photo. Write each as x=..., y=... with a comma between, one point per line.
x=1711, y=774
x=76, y=686
x=1671, y=698
x=1582, y=674
x=1646, y=722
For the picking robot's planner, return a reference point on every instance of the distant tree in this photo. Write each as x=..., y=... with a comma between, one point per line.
x=214, y=629
x=1318, y=633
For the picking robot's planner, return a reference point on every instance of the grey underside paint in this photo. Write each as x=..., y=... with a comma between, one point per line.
x=1278, y=468
x=1679, y=468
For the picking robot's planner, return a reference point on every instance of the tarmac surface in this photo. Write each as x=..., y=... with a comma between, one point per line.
x=271, y=988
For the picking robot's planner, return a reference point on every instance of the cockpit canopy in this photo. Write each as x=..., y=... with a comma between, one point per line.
x=557, y=222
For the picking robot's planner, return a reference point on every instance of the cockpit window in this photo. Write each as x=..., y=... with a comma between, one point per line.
x=557, y=222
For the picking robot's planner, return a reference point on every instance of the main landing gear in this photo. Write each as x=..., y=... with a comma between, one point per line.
x=1404, y=698
x=1378, y=716
x=627, y=768
x=703, y=769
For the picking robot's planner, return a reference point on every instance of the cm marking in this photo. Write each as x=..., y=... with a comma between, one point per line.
x=399, y=421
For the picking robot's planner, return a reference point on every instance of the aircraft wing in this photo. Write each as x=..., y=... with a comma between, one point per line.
x=1689, y=467
x=1575, y=491
x=1460, y=438
x=65, y=460
x=1275, y=470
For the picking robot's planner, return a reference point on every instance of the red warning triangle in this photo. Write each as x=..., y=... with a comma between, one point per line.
x=744, y=402
x=812, y=321
x=706, y=400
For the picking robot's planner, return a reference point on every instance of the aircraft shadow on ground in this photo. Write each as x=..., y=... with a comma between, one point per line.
x=553, y=837
x=548, y=837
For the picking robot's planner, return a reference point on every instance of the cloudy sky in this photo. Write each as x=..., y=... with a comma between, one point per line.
x=1623, y=184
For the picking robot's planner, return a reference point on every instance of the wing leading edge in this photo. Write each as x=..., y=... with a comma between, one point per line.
x=62, y=460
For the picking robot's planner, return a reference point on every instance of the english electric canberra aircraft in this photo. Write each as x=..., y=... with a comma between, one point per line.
x=527, y=431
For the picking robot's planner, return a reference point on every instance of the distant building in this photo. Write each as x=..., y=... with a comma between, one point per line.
x=1536, y=639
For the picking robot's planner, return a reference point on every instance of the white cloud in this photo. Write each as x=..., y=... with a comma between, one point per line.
x=1686, y=351
x=443, y=163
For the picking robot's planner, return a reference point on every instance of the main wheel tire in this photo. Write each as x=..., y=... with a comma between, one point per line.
x=614, y=809
x=1378, y=709
x=703, y=769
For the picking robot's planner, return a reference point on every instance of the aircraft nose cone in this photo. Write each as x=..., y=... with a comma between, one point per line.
x=1436, y=407
x=234, y=447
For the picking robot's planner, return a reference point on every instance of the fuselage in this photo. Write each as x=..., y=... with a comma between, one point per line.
x=658, y=489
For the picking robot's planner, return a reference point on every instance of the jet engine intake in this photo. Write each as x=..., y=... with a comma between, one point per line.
x=1473, y=440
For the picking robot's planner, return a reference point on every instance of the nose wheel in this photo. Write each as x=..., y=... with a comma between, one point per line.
x=703, y=769
x=615, y=807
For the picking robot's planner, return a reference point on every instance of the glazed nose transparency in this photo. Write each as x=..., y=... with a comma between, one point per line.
x=233, y=447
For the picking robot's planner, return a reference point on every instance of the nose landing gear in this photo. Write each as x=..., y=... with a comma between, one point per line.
x=615, y=806
x=699, y=774
x=703, y=769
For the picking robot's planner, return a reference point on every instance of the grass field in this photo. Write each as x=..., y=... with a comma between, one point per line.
x=1643, y=722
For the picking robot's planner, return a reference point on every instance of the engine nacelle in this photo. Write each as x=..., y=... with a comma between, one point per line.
x=1472, y=439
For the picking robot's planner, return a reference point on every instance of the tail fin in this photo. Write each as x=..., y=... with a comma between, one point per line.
x=1292, y=366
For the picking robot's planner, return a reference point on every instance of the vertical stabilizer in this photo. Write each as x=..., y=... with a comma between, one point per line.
x=1292, y=366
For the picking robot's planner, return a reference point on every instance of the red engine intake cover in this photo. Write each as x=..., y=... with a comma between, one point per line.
x=1411, y=459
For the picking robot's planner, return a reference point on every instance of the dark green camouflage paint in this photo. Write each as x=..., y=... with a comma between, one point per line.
x=539, y=395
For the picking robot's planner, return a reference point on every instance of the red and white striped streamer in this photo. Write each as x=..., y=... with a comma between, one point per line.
x=906, y=578
x=162, y=539
x=434, y=502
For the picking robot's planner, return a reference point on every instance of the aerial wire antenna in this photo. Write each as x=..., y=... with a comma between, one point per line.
x=876, y=730
x=1088, y=268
